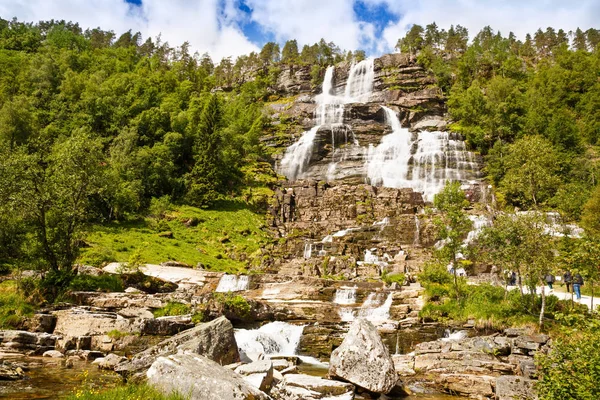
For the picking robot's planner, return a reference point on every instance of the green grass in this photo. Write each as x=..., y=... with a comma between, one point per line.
x=172, y=308
x=231, y=229
x=125, y=392
x=13, y=305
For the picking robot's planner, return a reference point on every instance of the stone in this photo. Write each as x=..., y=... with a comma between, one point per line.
x=135, y=312
x=466, y=384
x=259, y=373
x=213, y=340
x=40, y=323
x=109, y=362
x=363, y=359
x=81, y=322
x=200, y=379
x=305, y=387
x=53, y=354
x=166, y=326
x=515, y=388
x=10, y=372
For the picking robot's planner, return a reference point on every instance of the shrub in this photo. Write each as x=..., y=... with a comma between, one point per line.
x=435, y=273
x=234, y=303
x=393, y=277
x=172, y=308
x=102, y=283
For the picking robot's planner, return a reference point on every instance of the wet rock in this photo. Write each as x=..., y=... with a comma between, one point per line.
x=213, y=339
x=259, y=374
x=363, y=359
x=200, y=378
x=515, y=388
x=40, y=323
x=66, y=343
x=305, y=387
x=27, y=342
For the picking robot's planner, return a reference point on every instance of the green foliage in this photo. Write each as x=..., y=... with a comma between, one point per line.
x=96, y=257
x=233, y=302
x=125, y=392
x=117, y=334
x=13, y=305
x=172, y=308
x=571, y=369
x=102, y=283
x=393, y=278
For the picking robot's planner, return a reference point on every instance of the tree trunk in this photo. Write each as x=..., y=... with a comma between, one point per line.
x=543, y=308
x=592, y=304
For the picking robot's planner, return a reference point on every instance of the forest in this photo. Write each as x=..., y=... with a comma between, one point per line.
x=96, y=127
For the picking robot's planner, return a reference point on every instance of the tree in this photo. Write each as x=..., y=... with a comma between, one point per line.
x=289, y=54
x=453, y=224
x=413, y=41
x=532, y=166
x=205, y=180
x=590, y=217
x=269, y=54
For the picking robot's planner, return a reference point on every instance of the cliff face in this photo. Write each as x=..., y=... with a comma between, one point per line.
x=362, y=154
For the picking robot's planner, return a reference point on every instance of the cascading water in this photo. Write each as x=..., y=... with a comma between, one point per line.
x=330, y=113
x=274, y=338
x=345, y=295
x=374, y=309
x=424, y=164
x=479, y=222
x=233, y=283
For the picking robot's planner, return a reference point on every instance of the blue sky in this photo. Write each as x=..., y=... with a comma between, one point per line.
x=234, y=27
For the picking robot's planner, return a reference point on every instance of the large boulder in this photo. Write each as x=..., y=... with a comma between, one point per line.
x=213, y=340
x=200, y=378
x=515, y=388
x=305, y=387
x=364, y=360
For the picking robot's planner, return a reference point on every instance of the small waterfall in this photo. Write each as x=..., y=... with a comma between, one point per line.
x=233, y=283
x=458, y=335
x=346, y=314
x=308, y=250
x=345, y=295
x=374, y=309
x=298, y=155
x=360, y=82
x=479, y=222
x=273, y=338
x=417, y=240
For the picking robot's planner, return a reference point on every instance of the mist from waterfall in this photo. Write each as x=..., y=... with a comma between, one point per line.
x=330, y=113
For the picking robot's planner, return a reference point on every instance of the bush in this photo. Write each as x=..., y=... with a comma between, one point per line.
x=172, y=308
x=394, y=277
x=102, y=283
x=571, y=369
x=435, y=273
x=13, y=305
x=233, y=303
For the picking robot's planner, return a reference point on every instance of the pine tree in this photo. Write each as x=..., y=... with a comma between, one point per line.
x=206, y=179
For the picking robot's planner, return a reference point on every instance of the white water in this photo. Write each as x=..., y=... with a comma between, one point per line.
x=424, y=164
x=479, y=222
x=233, y=283
x=374, y=309
x=417, y=231
x=458, y=335
x=274, y=338
x=345, y=295
x=330, y=112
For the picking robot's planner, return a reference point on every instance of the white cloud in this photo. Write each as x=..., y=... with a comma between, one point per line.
x=310, y=20
x=214, y=25
x=209, y=25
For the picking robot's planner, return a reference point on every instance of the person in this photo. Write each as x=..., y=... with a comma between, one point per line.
x=550, y=280
x=568, y=278
x=577, y=284
x=513, y=278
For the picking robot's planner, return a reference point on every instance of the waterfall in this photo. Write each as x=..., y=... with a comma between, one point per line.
x=374, y=309
x=308, y=250
x=424, y=164
x=417, y=231
x=479, y=222
x=273, y=338
x=330, y=113
x=345, y=295
x=233, y=283
x=360, y=82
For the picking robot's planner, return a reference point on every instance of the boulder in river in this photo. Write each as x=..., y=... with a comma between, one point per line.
x=200, y=379
x=212, y=339
x=363, y=359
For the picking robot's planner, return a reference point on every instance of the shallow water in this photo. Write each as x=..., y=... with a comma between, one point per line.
x=49, y=379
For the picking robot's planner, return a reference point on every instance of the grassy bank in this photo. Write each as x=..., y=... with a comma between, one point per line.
x=13, y=305
x=221, y=239
x=125, y=392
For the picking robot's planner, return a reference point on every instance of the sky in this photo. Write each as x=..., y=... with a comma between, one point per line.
x=233, y=27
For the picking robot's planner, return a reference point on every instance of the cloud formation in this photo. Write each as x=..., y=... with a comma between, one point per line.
x=217, y=26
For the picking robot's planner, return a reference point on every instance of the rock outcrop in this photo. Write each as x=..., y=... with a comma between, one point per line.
x=200, y=379
x=363, y=359
x=213, y=340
